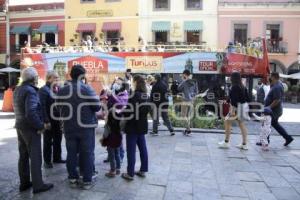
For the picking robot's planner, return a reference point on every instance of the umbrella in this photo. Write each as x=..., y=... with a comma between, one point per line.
x=284, y=76
x=295, y=76
x=9, y=70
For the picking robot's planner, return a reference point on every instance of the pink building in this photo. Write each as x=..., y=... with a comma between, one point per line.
x=276, y=20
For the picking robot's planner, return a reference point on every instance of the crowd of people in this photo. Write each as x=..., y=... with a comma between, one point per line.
x=253, y=47
x=73, y=110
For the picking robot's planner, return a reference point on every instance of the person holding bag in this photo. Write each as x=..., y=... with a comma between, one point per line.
x=239, y=108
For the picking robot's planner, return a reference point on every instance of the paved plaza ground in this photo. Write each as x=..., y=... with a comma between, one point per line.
x=180, y=167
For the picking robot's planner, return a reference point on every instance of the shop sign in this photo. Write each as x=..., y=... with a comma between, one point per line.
x=93, y=66
x=140, y=64
x=99, y=13
x=207, y=66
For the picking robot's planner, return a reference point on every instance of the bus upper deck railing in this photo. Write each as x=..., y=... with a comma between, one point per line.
x=119, y=48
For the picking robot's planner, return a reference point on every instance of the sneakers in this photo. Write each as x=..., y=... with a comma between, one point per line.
x=154, y=133
x=44, y=188
x=288, y=141
x=127, y=177
x=73, y=183
x=258, y=143
x=242, y=146
x=223, y=145
x=187, y=132
x=118, y=172
x=95, y=175
x=172, y=133
x=86, y=185
x=140, y=174
x=110, y=174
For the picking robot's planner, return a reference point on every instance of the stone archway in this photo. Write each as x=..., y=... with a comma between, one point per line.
x=294, y=68
x=277, y=66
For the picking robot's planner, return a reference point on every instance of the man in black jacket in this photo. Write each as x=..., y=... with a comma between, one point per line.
x=52, y=135
x=29, y=127
x=159, y=96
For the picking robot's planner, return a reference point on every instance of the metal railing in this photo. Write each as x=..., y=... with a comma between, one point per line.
x=277, y=46
x=122, y=48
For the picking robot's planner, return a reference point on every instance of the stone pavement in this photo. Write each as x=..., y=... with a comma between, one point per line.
x=180, y=167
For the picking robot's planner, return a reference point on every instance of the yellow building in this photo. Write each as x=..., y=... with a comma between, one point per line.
x=104, y=20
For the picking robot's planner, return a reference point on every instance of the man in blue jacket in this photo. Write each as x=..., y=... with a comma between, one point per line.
x=29, y=125
x=52, y=135
x=78, y=104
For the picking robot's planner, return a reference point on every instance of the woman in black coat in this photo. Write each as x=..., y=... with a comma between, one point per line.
x=136, y=128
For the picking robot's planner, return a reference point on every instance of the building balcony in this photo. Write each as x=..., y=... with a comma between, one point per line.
x=277, y=47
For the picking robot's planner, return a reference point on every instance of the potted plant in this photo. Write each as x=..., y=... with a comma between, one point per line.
x=294, y=94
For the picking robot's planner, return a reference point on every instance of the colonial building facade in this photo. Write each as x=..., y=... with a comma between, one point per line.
x=277, y=21
x=103, y=20
x=180, y=21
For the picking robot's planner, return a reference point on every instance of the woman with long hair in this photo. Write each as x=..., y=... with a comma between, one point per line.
x=136, y=128
x=238, y=96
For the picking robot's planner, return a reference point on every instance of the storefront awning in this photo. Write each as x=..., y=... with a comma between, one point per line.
x=111, y=26
x=86, y=27
x=193, y=26
x=46, y=28
x=161, y=26
x=20, y=29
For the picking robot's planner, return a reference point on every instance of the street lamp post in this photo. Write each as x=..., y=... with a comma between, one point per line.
x=7, y=33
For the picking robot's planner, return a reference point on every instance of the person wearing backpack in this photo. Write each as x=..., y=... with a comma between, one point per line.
x=189, y=90
x=238, y=98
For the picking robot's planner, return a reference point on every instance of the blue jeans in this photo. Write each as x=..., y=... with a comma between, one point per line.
x=131, y=141
x=122, y=151
x=84, y=143
x=114, y=158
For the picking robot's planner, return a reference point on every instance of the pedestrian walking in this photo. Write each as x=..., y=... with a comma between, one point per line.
x=189, y=90
x=52, y=136
x=262, y=92
x=136, y=128
x=29, y=125
x=79, y=103
x=159, y=97
x=238, y=98
x=274, y=101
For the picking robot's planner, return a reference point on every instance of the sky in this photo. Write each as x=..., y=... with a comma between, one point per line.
x=24, y=2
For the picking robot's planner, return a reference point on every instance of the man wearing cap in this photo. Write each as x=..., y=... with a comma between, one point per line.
x=78, y=104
